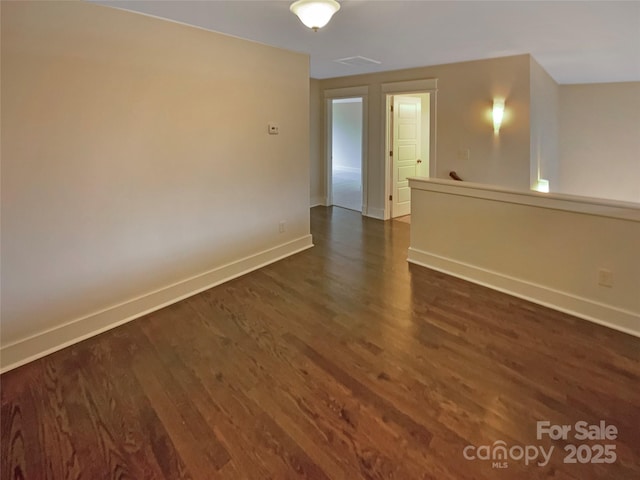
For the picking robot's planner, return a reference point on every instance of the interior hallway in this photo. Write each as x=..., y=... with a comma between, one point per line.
x=347, y=188
x=341, y=362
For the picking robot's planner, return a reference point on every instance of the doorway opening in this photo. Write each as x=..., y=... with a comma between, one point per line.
x=408, y=139
x=408, y=146
x=346, y=153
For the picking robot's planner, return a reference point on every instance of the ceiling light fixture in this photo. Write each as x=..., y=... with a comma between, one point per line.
x=315, y=14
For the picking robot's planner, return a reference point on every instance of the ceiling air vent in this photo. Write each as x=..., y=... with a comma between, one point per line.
x=357, y=61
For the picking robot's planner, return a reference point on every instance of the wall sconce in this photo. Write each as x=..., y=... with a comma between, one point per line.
x=315, y=14
x=498, y=114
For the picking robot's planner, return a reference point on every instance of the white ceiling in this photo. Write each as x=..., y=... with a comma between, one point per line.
x=575, y=41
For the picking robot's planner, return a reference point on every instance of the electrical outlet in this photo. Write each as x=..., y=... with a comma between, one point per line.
x=605, y=277
x=273, y=129
x=282, y=226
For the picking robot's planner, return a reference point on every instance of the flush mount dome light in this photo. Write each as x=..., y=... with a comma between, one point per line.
x=315, y=14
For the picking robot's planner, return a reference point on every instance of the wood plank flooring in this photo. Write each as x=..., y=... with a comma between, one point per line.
x=341, y=362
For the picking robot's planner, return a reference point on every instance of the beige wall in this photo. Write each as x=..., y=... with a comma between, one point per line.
x=600, y=140
x=464, y=99
x=317, y=170
x=544, y=105
x=547, y=248
x=135, y=154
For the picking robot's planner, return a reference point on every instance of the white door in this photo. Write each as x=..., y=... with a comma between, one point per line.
x=406, y=151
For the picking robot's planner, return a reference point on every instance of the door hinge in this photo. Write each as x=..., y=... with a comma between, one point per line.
x=392, y=108
x=390, y=198
x=391, y=153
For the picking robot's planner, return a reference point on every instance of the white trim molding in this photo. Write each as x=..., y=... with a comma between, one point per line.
x=344, y=93
x=616, y=318
x=427, y=85
x=375, y=213
x=359, y=91
x=411, y=86
x=574, y=254
x=554, y=201
x=317, y=201
x=43, y=343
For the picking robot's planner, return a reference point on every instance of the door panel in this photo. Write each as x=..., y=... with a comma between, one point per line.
x=406, y=132
x=405, y=172
x=406, y=152
x=405, y=194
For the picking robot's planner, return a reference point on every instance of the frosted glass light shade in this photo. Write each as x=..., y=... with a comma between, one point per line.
x=315, y=14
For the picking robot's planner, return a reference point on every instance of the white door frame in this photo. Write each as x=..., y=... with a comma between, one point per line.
x=329, y=96
x=429, y=86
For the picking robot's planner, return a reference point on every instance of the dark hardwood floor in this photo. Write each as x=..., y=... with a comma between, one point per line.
x=341, y=362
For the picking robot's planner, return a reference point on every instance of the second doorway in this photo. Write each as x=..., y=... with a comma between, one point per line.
x=346, y=153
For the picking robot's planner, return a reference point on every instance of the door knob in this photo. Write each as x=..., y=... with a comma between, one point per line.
x=419, y=161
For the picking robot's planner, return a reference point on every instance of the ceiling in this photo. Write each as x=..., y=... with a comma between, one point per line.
x=575, y=41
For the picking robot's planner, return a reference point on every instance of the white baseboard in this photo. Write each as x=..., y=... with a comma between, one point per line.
x=610, y=316
x=318, y=201
x=43, y=343
x=375, y=213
